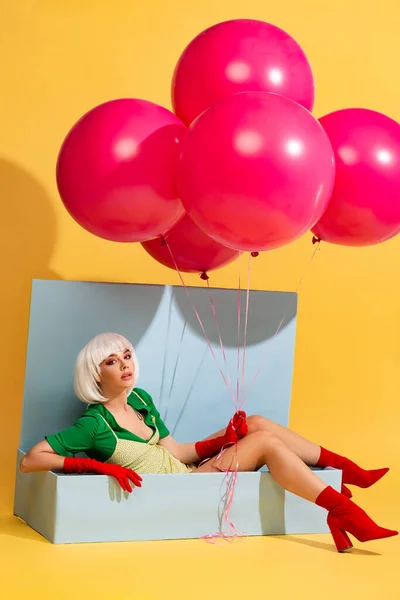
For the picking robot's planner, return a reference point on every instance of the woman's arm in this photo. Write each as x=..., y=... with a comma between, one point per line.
x=49, y=454
x=186, y=453
x=41, y=458
x=211, y=446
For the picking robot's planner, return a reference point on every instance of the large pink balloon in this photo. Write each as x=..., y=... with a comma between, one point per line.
x=116, y=170
x=239, y=56
x=256, y=171
x=190, y=248
x=365, y=204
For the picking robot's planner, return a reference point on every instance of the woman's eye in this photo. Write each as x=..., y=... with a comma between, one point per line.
x=127, y=356
x=110, y=362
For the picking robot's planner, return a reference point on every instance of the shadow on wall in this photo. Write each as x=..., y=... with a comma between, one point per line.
x=265, y=314
x=27, y=237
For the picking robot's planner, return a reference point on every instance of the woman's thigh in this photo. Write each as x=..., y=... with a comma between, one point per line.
x=247, y=455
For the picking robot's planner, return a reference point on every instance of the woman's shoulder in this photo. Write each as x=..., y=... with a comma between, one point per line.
x=141, y=392
x=94, y=414
x=138, y=395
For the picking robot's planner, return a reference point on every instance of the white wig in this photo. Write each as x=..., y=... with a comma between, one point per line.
x=87, y=367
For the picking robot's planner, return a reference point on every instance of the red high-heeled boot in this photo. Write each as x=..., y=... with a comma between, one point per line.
x=352, y=473
x=345, y=516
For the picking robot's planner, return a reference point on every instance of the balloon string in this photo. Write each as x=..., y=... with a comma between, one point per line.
x=231, y=476
x=178, y=355
x=214, y=312
x=317, y=248
x=239, y=310
x=164, y=241
x=246, y=322
x=165, y=357
x=191, y=388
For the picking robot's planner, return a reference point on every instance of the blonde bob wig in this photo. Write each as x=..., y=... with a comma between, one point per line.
x=87, y=368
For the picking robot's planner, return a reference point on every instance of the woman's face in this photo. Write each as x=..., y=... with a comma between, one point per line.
x=116, y=373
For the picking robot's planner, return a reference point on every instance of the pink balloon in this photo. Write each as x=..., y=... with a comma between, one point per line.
x=193, y=251
x=256, y=171
x=116, y=170
x=239, y=56
x=365, y=204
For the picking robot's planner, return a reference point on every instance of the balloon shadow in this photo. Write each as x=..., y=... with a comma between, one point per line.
x=267, y=310
x=323, y=546
x=27, y=237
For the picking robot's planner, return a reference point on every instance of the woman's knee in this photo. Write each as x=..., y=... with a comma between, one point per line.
x=257, y=423
x=265, y=440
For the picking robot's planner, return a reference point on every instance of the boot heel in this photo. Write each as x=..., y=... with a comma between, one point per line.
x=346, y=492
x=345, y=516
x=340, y=537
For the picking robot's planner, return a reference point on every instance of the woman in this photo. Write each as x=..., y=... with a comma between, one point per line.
x=123, y=435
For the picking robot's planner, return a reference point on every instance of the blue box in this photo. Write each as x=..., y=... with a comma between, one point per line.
x=178, y=370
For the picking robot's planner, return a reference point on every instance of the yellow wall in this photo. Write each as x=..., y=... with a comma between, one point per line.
x=61, y=57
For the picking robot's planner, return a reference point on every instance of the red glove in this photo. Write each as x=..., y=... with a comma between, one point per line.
x=89, y=465
x=239, y=424
x=237, y=428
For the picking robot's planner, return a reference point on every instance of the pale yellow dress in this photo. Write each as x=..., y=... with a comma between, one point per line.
x=146, y=457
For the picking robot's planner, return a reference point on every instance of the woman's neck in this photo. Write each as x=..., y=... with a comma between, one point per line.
x=117, y=404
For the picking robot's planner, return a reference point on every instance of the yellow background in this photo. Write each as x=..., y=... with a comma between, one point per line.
x=59, y=58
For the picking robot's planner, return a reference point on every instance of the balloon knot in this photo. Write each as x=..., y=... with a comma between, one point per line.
x=204, y=276
x=316, y=240
x=163, y=241
x=255, y=254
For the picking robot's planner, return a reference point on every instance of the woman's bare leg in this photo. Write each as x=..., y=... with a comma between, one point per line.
x=305, y=449
x=265, y=448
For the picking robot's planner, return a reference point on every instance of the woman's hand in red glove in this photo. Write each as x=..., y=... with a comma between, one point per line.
x=239, y=424
x=123, y=475
x=237, y=428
